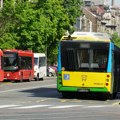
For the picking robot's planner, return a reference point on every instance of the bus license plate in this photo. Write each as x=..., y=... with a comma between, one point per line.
x=83, y=90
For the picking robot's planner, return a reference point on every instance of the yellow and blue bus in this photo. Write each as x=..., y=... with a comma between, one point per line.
x=88, y=62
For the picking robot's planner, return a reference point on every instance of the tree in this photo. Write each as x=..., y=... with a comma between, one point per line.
x=73, y=10
x=37, y=26
x=116, y=39
x=7, y=26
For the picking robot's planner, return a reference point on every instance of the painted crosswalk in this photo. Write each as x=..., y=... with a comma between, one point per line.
x=15, y=107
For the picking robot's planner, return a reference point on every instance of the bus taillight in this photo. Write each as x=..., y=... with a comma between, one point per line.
x=108, y=76
x=107, y=84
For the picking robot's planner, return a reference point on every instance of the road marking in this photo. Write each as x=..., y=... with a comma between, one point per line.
x=7, y=106
x=32, y=106
x=98, y=106
x=12, y=106
x=27, y=88
x=116, y=103
x=66, y=106
x=42, y=100
x=69, y=100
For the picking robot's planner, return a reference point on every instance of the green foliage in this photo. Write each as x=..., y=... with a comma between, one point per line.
x=116, y=39
x=37, y=25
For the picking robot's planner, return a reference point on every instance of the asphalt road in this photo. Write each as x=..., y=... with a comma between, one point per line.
x=39, y=100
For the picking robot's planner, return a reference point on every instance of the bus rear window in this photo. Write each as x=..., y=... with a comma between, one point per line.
x=92, y=60
x=77, y=56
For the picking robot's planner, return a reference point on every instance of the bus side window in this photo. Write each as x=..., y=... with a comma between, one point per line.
x=39, y=62
x=19, y=61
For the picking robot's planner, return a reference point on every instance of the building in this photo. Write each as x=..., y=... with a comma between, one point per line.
x=99, y=17
x=99, y=2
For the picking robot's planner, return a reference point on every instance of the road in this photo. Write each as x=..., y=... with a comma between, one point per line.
x=39, y=100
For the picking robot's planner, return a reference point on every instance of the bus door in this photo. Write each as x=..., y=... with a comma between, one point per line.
x=26, y=67
x=42, y=66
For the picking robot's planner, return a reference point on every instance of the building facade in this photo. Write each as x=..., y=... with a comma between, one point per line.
x=99, y=18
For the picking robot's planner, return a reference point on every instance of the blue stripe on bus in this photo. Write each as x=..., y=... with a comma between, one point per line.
x=109, y=68
x=59, y=58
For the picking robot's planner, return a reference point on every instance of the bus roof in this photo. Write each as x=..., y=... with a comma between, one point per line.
x=88, y=36
x=20, y=52
x=17, y=50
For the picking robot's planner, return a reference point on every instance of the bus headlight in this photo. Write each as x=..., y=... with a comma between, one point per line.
x=66, y=76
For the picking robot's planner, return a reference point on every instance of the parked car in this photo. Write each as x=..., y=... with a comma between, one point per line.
x=51, y=71
x=55, y=68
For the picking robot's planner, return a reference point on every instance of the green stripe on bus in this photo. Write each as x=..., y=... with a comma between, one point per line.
x=75, y=89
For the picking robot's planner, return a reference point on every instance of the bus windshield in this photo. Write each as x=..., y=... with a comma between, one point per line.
x=10, y=61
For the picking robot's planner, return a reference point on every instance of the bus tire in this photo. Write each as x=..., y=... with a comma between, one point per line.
x=13, y=81
x=37, y=78
x=113, y=95
x=41, y=79
x=21, y=80
x=66, y=94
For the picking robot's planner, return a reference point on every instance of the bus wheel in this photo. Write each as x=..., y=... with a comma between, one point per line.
x=13, y=81
x=66, y=94
x=37, y=78
x=21, y=80
x=113, y=95
x=41, y=79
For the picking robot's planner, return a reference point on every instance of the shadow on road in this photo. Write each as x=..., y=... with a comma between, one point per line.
x=43, y=92
x=53, y=93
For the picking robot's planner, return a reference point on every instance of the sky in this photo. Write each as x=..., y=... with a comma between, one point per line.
x=117, y=2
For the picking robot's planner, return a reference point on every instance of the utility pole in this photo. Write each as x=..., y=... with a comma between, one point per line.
x=112, y=3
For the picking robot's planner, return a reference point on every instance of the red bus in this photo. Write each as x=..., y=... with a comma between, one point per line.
x=18, y=65
x=1, y=66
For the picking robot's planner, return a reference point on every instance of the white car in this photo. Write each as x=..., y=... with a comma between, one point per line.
x=50, y=72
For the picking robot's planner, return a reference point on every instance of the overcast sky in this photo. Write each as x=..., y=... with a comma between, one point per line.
x=117, y=2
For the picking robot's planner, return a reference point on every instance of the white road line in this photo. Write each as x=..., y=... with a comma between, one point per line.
x=27, y=88
x=32, y=106
x=51, y=106
x=98, y=106
x=66, y=106
x=7, y=106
